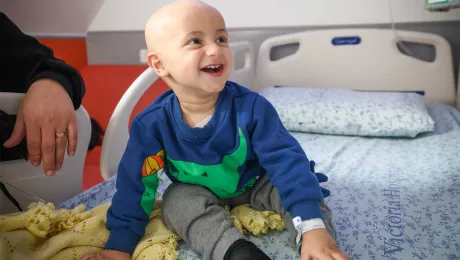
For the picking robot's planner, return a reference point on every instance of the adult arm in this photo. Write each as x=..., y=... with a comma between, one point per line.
x=24, y=60
x=53, y=91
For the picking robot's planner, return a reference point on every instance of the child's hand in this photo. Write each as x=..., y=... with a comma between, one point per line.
x=107, y=255
x=318, y=245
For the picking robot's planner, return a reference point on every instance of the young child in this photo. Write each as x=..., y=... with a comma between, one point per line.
x=220, y=144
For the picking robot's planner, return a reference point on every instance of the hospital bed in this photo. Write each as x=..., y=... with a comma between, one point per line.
x=391, y=197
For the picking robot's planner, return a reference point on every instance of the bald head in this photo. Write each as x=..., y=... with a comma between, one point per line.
x=171, y=18
x=182, y=38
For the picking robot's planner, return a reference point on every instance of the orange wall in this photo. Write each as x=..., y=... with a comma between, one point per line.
x=72, y=51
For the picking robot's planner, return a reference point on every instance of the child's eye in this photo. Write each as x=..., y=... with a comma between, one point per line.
x=221, y=40
x=194, y=41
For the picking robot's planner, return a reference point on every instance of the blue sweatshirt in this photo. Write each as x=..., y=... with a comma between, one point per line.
x=243, y=140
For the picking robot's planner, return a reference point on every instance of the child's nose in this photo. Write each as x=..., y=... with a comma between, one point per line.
x=213, y=49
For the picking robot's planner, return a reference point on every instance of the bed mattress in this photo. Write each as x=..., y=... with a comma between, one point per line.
x=391, y=198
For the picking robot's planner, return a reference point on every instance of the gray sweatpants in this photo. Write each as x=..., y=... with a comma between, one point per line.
x=198, y=217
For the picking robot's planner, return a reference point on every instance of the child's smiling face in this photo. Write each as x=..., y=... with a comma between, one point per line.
x=191, y=48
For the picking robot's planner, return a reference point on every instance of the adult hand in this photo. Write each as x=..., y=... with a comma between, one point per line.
x=46, y=111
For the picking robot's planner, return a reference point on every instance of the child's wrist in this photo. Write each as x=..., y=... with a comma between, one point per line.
x=312, y=224
x=303, y=227
x=308, y=225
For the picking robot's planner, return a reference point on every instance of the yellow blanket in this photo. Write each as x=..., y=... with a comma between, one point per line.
x=43, y=232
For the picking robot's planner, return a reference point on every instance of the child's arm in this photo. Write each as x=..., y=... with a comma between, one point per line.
x=289, y=170
x=137, y=183
x=286, y=163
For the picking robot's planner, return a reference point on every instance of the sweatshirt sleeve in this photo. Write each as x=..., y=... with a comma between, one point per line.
x=137, y=184
x=287, y=165
x=24, y=60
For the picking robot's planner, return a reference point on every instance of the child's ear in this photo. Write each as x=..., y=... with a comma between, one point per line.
x=156, y=64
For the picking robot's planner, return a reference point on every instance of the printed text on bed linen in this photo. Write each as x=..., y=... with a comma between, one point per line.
x=394, y=217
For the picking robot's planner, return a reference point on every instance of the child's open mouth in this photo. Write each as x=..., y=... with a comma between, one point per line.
x=214, y=70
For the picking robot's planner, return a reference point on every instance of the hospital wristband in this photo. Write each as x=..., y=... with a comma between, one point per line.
x=306, y=225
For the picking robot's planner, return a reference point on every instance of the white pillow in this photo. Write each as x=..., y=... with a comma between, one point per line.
x=347, y=112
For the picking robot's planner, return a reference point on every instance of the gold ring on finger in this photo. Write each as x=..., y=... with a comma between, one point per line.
x=61, y=134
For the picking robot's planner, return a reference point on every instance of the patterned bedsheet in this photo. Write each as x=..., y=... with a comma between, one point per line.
x=391, y=198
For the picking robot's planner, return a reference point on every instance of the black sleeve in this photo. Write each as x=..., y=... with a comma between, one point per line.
x=23, y=60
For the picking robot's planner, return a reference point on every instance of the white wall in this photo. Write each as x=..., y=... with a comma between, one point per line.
x=123, y=15
x=52, y=17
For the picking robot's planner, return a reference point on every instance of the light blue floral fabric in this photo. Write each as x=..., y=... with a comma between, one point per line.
x=347, y=112
x=391, y=198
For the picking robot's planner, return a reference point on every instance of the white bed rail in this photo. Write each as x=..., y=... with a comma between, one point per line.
x=116, y=135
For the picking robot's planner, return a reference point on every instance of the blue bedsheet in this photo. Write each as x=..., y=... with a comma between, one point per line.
x=391, y=198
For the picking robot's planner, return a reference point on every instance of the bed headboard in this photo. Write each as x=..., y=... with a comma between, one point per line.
x=360, y=59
